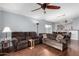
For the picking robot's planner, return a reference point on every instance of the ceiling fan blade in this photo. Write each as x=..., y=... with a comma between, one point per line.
x=53, y=7
x=47, y=3
x=39, y=4
x=36, y=9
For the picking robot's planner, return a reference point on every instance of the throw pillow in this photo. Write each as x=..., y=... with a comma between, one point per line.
x=59, y=38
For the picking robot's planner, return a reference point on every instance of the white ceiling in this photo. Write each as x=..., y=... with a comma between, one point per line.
x=67, y=11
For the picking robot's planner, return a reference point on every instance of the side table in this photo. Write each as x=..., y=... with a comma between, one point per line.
x=5, y=46
x=32, y=43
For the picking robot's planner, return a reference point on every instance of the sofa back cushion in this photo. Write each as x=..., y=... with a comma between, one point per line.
x=30, y=35
x=18, y=35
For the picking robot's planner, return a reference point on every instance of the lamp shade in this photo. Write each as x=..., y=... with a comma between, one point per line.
x=6, y=29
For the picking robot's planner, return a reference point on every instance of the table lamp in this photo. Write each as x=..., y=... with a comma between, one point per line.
x=6, y=30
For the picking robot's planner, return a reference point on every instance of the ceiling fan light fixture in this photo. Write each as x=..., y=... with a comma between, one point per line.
x=45, y=6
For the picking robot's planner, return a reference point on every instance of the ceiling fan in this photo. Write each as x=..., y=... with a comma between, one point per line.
x=45, y=6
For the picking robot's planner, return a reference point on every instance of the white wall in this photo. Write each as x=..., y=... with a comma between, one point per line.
x=22, y=23
x=1, y=25
x=1, y=20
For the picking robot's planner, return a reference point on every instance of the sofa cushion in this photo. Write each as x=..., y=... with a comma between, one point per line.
x=59, y=37
x=44, y=35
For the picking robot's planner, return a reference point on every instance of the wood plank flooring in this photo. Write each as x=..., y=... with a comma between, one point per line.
x=44, y=50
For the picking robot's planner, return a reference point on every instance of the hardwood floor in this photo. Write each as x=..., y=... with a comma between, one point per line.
x=44, y=50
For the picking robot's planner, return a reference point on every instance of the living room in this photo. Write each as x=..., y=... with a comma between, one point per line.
x=39, y=32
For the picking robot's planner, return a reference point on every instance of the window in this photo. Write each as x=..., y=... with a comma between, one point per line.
x=48, y=28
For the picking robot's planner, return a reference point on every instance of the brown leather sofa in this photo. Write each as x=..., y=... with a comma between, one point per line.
x=20, y=39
